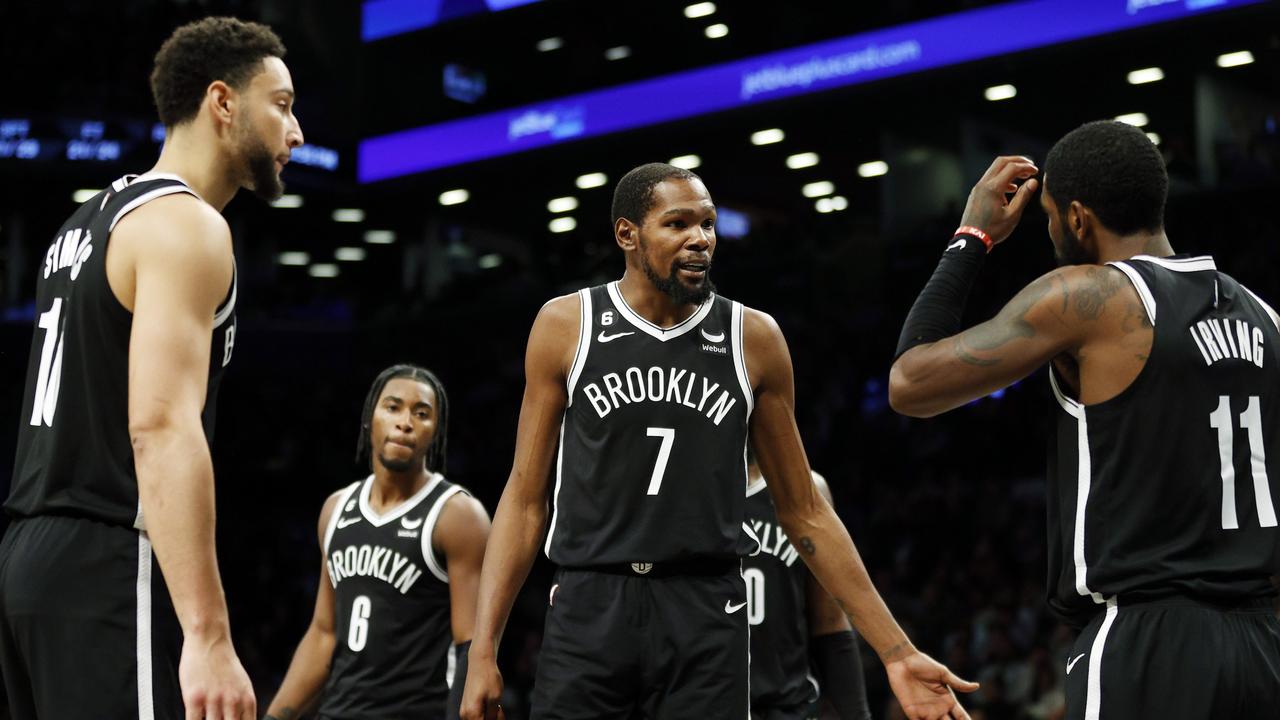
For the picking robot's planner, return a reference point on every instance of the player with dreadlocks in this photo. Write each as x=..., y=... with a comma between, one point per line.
x=401, y=553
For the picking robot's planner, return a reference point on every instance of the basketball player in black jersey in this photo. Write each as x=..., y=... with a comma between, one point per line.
x=648, y=386
x=136, y=304
x=802, y=648
x=1162, y=474
x=400, y=565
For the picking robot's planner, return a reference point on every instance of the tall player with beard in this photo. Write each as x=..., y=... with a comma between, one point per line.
x=136, y=307
x=1162, y=522
x=400, y=564
x=639, y=397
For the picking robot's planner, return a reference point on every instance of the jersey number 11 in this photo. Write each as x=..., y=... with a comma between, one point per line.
x=1250, y=420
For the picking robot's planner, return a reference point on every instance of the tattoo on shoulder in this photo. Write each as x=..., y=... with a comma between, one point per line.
x=1092, y=295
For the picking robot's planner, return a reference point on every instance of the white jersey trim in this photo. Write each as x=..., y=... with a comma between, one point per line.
x=584, y=345
x=555, y=495
x=338, y=509
x=1139, y=284
x=757, y=488
x=146, y=697
x=657, y=331
x=1070, y=406
x=145, y=198
x=740, y=357
x=394, y=513
x=1084, y=479
x=222, y=315
x=1272, y=313
x=1093, y=695
x=1192, y=264
x=428, y=530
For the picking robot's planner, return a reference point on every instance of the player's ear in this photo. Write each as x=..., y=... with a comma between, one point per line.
x=626, y=234
x=220, y=99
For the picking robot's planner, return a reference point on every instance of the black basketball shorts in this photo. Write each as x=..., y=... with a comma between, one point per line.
x=87, y=630
x=644, y=646
x=1177, y=658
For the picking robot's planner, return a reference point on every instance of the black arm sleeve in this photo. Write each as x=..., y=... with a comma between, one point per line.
x=839, y=668
x=453, y=708
x=938, y=309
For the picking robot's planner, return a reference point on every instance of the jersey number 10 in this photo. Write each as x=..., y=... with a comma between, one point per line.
x=1250, y=420
x=45, y=402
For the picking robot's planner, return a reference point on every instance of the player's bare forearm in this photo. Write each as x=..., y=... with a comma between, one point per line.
x=830, y=553
x=518, y=527
x=307, y=673
x=175, y=486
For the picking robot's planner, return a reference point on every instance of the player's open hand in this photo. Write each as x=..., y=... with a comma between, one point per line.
x=483, y=690
x=214, y=683
x=990, y=208
x=924, y=686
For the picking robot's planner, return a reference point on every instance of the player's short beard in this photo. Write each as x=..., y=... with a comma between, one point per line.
x=395, y=465
x=1071, y=251
x=671, y=286
x=266, y=182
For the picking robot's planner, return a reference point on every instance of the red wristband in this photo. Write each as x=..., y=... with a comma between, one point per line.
x=975, y=232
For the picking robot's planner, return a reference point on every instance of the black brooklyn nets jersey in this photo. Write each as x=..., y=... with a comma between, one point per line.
x=777, y=608
x=1169, y=488
x=652, y=459
x=394, y=655
x=74, y=454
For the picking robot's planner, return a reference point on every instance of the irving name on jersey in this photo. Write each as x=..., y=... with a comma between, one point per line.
x=1220, y=339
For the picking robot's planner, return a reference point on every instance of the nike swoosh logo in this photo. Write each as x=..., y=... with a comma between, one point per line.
x=1072, y=663
x=348, y=521
x=712, y=338
x=958, y=244
x=730, y=608
x=606, y=338
x=411, y=524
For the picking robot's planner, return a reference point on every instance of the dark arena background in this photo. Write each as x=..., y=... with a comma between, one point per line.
x=458, y=171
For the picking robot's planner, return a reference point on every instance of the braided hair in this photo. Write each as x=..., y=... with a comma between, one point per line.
x=435, y=459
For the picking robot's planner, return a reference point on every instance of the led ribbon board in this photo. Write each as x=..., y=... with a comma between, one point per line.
x=934, y=43
x=384, y=18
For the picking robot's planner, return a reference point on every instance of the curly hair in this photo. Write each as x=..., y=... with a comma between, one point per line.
x=633, y=197
x=436, y=454
x=1115, y=170
x=198, y=53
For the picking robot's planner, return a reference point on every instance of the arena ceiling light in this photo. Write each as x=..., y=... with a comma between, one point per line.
x=591, y=180
x=349, y=254
x=688, y=162
x=716, y=31
x=323, y=270
x=823, y=205
x=1145, y=75
x=1235, y=59
x=768, y=137
x=490, y=261
x=549, y=44
x=293, y=258
x=83, y=195
x=802, y=160
x=1134, y=119
x=1154, y=138
x=287, y=201
x=839, y=202
x=818, y=189
x=698, y=10
x=379, y=237
x=454, y=197
x=875, y=168
x=996, y=93
x=617, y=53
x=348, y=215
x=565, y=204
x=562, y=224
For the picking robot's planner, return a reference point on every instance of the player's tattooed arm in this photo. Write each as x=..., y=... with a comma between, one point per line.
x=1055, y=314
